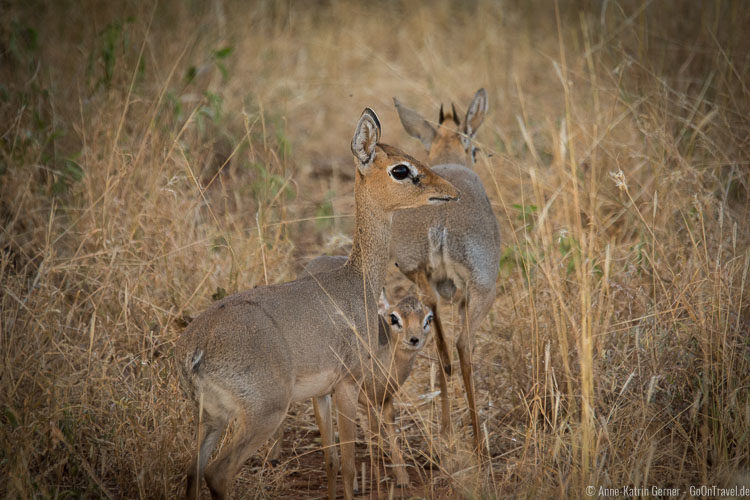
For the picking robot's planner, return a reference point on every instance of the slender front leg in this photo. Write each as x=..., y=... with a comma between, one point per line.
x=324, y=418
x=346, y=403
x=397, y=460
x=445, y=372
x=429, y=298
x=445, y=408
x=464, y=346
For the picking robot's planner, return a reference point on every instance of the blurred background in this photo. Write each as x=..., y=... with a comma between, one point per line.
x=155, y=157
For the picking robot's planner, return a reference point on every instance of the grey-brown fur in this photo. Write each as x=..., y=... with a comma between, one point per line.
x=248, y=356
x=389, y=368
x=451, y=251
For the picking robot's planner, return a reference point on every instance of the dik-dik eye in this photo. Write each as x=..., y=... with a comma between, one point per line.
x=400, y=172
x=427, y=321
x=474, y=150
x=395, y=320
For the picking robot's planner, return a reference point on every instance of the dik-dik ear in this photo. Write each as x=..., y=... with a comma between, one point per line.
x=476, y=113
x=415, y=125
x=366, y=136
x=383, y=304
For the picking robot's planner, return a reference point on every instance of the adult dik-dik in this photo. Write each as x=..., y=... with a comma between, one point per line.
x=250, y=355
x=452, y=251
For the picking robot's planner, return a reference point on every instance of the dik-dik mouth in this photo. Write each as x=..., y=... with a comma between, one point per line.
x=436, y=200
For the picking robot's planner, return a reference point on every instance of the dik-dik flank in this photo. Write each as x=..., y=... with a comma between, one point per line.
x=249, y=355
x=451, y=251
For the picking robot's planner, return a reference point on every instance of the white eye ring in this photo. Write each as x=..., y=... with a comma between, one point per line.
x=427, y=321
x=412, y=171
x=395, y=320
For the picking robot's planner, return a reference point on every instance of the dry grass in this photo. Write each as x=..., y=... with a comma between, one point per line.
x=144, y=169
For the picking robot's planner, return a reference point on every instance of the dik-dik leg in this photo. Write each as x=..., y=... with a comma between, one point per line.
x=345, y=395
x=386, y=425
x=324, y=418
x=472, y=311
x=214, y=426
x=397, y=459
x=253, y=429
x=430, y=299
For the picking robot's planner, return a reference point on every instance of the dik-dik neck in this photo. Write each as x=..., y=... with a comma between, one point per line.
x=404, y=362
x=372, y=237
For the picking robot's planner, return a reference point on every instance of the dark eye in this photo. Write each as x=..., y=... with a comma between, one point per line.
x=400, y=172
x=394, y=320
x=474, y=154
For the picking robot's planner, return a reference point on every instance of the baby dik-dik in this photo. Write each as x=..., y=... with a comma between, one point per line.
x=249, y=355
x=403, y=331
x=452, y=251
x=406, y=327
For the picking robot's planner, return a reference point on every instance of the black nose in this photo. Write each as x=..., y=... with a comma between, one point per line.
x=414, y=341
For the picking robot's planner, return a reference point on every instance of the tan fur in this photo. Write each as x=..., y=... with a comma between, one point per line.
x=249, y=355
x=451, y=251
x=446, y=147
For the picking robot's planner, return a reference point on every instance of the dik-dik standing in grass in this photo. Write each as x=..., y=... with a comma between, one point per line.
x=406, y=327
x=250, y=355
x=402, y=332
x=451, y=251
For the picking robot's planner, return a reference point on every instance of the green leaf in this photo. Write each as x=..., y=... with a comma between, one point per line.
x=219, y=243
x=219, y=294
x=324, y=212
x=222, y=53
x=11, y=416
x=190, y=74
x=73, y=170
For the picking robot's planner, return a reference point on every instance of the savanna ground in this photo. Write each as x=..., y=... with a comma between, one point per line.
x=154, y=157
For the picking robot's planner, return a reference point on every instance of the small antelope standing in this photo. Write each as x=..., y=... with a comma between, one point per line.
x=402, y=332
x=250, y=355
x=452, y=251
x=406, y=326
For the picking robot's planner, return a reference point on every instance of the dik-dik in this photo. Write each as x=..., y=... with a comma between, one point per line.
x=403, y=331
x=251, y=354
x=451, y=251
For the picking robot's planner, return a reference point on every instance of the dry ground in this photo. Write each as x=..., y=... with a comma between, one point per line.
x=154, y=157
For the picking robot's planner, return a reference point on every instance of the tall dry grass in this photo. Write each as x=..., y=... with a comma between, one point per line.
x=157, y=156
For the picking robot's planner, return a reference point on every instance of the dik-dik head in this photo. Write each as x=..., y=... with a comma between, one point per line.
x=393, y=179
x=409, y=321
x=450, y=142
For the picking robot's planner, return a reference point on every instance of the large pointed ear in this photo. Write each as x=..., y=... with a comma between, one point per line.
x=476, y=113
x=415, y=125
x=383, y=304
x=366, y=136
